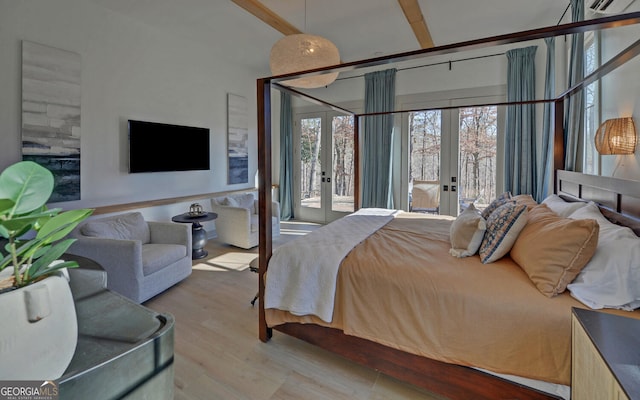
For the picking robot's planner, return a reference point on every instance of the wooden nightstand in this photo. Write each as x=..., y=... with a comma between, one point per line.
x=605, y=356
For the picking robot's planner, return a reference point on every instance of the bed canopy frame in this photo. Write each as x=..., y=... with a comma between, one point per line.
x=453, y=381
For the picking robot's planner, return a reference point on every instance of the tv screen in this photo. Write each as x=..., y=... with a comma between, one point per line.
x=155, y=147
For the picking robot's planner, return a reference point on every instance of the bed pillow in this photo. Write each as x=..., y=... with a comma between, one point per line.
x=612, y=278
x=503, y=227
x=552, y=250
x=561, y=207
x=467, y=232
x=525, y=199
x=500, y=200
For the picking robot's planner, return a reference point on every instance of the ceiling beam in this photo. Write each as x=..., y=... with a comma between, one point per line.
x=412, y=12
x=267, y=16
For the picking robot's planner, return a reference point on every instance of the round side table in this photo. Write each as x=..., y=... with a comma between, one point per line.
x=198, y=234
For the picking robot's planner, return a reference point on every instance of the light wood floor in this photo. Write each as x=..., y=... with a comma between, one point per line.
x=218, y=354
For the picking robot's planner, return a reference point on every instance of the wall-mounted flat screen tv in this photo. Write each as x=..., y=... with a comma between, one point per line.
x=155, y=147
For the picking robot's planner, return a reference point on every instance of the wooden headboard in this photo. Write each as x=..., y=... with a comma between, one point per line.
x=618, y=199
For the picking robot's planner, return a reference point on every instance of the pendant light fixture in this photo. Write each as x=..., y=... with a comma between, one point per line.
x=301, y=52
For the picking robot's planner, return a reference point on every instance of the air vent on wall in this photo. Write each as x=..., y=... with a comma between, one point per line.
x=609, y=6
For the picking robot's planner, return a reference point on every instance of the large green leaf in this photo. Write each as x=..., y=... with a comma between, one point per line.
x=59, y=226
x=5, y=206
x=27, y=184
x=4, y=232
x=52, y=268
x=5, y=262
x=50, y=256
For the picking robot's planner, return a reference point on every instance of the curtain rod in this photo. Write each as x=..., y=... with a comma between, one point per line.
x=450, y=63
x=564, y=13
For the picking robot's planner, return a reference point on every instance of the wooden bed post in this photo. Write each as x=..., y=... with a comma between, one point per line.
x=264, y=197
x=558, y=140
x=356, y=162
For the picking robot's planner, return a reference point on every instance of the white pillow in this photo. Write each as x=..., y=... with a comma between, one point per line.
x=229, y=202
x=246, y=200
x=611, y=279
x=466, y=233
x=561, y=207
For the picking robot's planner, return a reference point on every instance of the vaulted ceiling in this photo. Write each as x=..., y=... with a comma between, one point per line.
x=360, y=28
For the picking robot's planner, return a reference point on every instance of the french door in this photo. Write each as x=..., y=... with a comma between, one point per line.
x=452, y=158
x=324, y=169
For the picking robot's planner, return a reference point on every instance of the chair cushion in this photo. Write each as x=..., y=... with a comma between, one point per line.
x=130, y=226
x=243, y=200
x=157, y=256
x=228, y=201
x=246, y=200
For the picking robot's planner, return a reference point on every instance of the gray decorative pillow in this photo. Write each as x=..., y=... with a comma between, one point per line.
x=467, y=232
x=130, y=226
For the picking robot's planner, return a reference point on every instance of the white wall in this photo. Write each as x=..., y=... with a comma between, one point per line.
x=129, y=70
x=621, y=95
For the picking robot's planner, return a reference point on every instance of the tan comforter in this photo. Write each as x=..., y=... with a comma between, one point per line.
x=401, y=288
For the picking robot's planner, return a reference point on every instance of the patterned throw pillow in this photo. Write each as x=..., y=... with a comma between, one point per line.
x=500, y=200
x=503, y=227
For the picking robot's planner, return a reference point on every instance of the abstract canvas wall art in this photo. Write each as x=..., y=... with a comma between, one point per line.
x=237, y=139
x=51, y=81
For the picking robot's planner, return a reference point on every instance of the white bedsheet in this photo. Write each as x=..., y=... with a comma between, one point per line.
x=302, y=273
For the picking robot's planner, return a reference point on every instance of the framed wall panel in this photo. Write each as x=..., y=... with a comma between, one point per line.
x=51, y=88
x=237, y=139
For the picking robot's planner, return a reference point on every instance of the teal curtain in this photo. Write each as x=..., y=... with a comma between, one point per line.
x=379, y=96
x=520, y=140
x=286, y=157
x=547, y=120
x=574, y=121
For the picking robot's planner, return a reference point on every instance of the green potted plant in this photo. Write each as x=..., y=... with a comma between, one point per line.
x=34, y=289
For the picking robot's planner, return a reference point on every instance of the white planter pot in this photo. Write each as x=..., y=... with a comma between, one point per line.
x=38, y=330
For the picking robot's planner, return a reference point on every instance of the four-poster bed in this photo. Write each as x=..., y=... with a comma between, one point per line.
x=454, y=381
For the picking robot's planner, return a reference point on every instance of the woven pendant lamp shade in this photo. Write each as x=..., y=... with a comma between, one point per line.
x=616, y=136
x=301, y=52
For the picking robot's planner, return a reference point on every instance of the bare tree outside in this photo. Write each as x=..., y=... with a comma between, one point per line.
x=342, y=173
x=343, y=136
x=478, y=146
x=424, y=145
x=477, y=158
x=311, y=165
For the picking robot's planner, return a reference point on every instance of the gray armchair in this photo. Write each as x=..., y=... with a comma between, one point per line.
x=141, y=258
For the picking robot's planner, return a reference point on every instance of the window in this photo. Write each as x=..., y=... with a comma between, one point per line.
x=590, y=157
